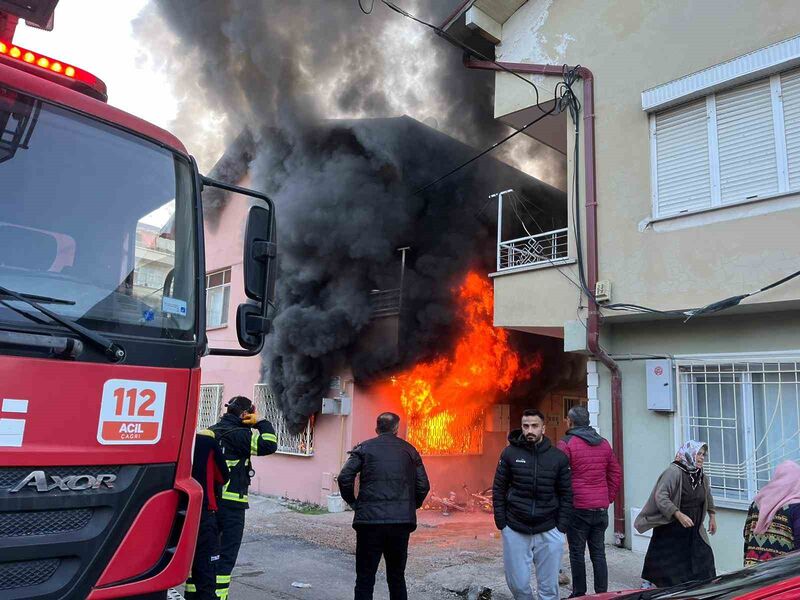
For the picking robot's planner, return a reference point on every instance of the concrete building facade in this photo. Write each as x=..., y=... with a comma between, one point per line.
x=696, y=162
x=305, y=466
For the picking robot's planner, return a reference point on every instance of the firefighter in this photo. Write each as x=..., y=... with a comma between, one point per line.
x=241, y=433
x=210, y=470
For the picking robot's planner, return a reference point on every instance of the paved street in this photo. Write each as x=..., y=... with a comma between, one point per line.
x=447, y=555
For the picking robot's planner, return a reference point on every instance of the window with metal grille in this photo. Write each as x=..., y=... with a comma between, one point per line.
x=210, y=405
x=298, y=444
x=570, y=401
x=448, y=432
x=730, y=147
x=748, y=411
x=218, y=295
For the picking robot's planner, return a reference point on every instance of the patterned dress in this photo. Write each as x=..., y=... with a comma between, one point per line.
x=777, y=540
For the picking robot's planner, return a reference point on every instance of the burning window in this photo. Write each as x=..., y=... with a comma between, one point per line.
x=445, y=400
x=448, y=433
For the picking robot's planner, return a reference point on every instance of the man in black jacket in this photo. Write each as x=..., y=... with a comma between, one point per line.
x=532, y=497
x=241, y=433
x=392, y=486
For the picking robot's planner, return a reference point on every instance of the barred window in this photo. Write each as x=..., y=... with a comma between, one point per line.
x=298, y=444
x=748, y=411
x=447, y=433
x=210, y=405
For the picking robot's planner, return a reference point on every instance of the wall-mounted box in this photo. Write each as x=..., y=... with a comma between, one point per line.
x=660, y=392
x=337, y=406
x=575, y=337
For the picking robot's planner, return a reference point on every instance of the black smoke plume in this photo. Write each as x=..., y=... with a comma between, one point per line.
x=307, y=79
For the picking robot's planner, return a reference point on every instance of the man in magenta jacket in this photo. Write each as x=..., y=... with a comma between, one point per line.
x=595, y=482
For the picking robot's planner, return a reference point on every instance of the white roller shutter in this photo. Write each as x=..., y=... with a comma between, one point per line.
x=790, y=93
x=682, y=177
x=748, y=165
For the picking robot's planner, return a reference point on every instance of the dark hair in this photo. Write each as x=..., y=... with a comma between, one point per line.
x=533, y=412
x=239, y=405
x=579, y=416
x=388, y=422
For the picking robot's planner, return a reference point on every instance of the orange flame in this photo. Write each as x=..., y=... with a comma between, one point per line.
x=445, y=400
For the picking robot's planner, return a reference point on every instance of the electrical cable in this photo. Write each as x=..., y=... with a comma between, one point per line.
x=484, y=152
x=568, y=99
x=365, y=11
x=442, y=33
x=514, y=200
x=735, y=300
x=456, y=42
x=548, y=260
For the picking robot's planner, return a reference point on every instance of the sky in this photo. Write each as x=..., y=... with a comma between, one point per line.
x=97, y=36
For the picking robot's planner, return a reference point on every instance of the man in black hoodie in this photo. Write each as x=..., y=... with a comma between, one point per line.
x=532, y=497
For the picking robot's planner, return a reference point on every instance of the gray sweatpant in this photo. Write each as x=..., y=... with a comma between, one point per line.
x=544, y=550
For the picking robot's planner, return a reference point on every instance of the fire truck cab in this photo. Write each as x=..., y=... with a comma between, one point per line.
x=102, y=327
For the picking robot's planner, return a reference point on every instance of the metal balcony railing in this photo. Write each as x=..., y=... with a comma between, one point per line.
x=384, y=303
x=532, y=250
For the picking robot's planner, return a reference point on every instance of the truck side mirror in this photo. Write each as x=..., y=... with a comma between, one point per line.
x=260, y=268
x=252, y=323
x=259, y=255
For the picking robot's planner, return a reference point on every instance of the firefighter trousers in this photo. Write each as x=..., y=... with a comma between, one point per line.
x=201, y=585
x=230, y=522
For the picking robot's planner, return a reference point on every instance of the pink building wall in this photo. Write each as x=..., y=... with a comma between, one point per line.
x=311, y=478
x=307, y=478
x=223, y=247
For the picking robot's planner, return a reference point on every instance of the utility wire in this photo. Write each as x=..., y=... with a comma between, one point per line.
x=568, y=99
x=484, y=152
x=735, y=300
x=456, y=42
x=468, y=49
x=364, y=10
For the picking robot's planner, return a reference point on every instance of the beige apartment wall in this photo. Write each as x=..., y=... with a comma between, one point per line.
x=540, y=298
x=630, y=46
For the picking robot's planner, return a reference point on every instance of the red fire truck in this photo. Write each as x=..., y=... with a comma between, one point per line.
x=102, y=327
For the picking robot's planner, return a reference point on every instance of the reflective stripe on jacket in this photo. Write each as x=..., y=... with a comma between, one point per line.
x=238, y=444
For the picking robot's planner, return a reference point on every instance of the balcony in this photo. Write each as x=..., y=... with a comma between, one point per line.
x=384, y=303
x=542, y=248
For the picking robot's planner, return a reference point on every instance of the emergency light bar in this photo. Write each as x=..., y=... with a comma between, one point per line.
x=54, y=70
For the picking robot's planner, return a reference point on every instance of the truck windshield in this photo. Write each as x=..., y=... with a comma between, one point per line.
x=95, y=223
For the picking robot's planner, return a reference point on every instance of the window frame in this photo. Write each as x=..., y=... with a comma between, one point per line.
x=223, y=286
x=712, y=137
x=681, y=428
x=267, y=406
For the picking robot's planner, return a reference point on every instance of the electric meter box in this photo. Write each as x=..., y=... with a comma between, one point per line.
x=660, y=392
x=336, y=406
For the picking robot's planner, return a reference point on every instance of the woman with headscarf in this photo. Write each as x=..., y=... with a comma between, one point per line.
x=679, y=550
x=772, y=527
